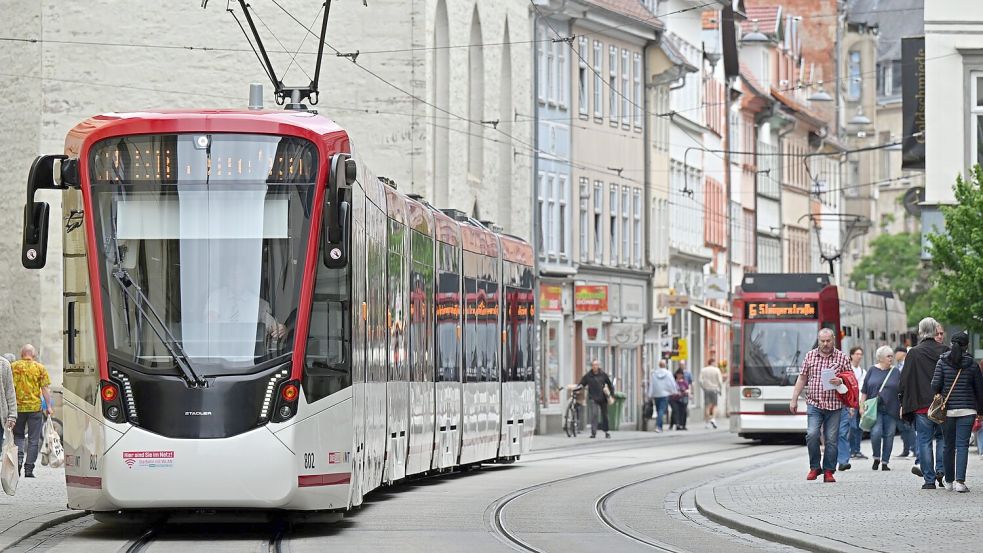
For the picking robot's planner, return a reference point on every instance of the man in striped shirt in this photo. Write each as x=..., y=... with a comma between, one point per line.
x=823, y=405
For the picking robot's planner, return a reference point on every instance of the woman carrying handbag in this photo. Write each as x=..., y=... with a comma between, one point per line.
x=880, y=407
x=958, y=386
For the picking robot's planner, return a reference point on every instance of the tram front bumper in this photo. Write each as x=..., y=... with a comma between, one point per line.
x=254, y=470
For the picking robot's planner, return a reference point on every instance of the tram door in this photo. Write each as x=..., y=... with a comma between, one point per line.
x=357, y=260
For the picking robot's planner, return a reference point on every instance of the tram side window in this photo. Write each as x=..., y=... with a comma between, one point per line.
x=329, y=346
x=396, y=305
x=472, y=349
x=448, y=315
x=491, y=333
x=421, y=307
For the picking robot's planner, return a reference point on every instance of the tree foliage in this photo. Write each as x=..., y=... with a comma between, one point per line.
x=895, y=264
x=957, y=256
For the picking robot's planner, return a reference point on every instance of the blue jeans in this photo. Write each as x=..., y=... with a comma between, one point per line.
x=843, y=445
x=908, y=437
x=661, y=404
x=856, y=434
x=29, y=423
x=925, y=432
x=829, y=423
x=956, y=431
x=979, y=444
x=882, y=437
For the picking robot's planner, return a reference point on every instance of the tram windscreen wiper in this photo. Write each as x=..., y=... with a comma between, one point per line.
x=131, y=289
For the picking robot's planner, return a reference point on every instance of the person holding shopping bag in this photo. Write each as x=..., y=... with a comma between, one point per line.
x=8, y=398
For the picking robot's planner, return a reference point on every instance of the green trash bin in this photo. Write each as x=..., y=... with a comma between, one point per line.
x=615, y=410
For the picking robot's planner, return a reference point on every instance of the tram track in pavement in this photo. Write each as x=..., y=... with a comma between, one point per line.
x=600, y=505
x=276, y=542
x=495, y=512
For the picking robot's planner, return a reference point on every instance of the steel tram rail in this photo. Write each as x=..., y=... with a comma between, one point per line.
x=497, y=509
x=600, y=505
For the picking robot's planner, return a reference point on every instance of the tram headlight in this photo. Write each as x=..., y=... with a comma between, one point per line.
x=285, y=412
x=113, y=412
x=751, y=393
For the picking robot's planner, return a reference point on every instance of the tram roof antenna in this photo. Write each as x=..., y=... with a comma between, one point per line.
x=297, y=94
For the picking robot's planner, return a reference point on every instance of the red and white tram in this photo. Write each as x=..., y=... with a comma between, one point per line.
x=256, y=321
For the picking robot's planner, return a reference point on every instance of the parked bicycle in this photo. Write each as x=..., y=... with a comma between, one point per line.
x=571, y=415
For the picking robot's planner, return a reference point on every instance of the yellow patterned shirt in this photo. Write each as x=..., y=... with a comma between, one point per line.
x=29, y=377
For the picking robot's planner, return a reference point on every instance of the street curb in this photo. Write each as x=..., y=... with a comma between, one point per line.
x=34, y=525
x=707, y=505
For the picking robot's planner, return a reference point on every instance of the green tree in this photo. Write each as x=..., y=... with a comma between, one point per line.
x=957, y=257
x=895, y=264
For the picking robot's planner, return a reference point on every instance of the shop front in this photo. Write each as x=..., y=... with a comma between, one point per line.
x=556, y=341
x=609, y=315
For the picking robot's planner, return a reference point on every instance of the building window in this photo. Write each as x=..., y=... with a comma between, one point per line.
x=582, y=100
x=613, y=225
x=550, y=215
x=976, y=111
x=625, y=229
x=636, y=75
x=613, y=84
x=562, y=76
x=636, y=200
x=854, y=76
x=598, y=81
x=584, y=217
x=598, y=220
x=541, y=46
x=625, y=91
x=889, y=78
x=542, y=213
x=562, y=216
x=551, y=71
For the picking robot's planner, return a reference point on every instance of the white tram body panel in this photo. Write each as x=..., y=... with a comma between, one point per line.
x=377, y=368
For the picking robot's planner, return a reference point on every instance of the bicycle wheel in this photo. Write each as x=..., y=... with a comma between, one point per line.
x=570, y=421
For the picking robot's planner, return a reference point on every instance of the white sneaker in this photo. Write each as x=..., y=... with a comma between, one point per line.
x=960, y=487
x=948, y=486
x=713, y=423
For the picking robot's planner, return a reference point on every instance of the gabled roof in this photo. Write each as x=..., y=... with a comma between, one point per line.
x=799, y=110
x=632, y=9
x=769, y=19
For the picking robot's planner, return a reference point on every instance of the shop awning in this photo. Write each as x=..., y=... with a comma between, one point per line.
x=711, y=313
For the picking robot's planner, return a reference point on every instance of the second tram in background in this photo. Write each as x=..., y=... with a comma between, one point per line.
x=776, y=321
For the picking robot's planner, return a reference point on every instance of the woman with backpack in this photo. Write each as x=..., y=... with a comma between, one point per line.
x=960, y=383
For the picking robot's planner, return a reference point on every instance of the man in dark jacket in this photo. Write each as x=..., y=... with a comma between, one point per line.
x=916, y=396
x=595, y=381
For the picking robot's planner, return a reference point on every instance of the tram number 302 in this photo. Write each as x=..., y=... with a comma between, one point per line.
x=308, y=460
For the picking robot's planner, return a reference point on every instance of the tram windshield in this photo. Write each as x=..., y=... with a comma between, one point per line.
x=213, y=231
x=773, y=351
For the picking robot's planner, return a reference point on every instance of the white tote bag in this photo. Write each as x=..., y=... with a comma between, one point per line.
x=53, y=450
x=8, y=470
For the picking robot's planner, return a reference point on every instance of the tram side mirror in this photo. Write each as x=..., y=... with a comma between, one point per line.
x=335, y=235
x=50, y=172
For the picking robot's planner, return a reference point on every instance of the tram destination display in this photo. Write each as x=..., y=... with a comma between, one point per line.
x=777, y=310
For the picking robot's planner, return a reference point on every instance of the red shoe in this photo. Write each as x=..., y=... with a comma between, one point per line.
x=828, y=476
x=813, y=474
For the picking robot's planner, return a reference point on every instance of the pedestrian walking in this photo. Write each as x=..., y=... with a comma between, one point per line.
x=599, y=387
x=679, y=401
x=712, y=383
x=882, y=382
x=823, y=404
x=906, y=429
x=856, y=434
x=960, y=382
x=661, y=387
x=31, y=381
x=8, y=399
x=916, y=396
